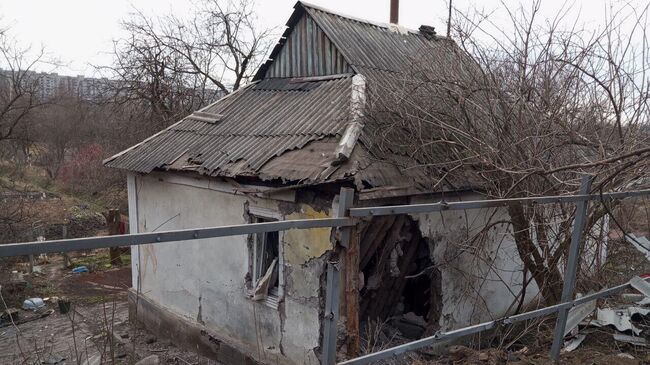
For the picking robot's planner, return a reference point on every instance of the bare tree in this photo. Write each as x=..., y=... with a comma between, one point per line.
x=221, y=43
x=531, y=109
x=18, y=84
x=18, y=102
x=168, y=66
x=61, y=126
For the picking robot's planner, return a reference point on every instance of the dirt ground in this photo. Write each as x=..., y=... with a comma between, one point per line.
x=95, y=331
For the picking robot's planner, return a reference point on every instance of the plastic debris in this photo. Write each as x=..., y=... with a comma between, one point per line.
x=79, y=269
x=33, y=304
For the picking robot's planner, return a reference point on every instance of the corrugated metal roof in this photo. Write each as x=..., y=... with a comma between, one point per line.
x=288, y=129
x=370, y=45
x=257, y=123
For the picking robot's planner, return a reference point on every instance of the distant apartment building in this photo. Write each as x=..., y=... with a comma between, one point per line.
x=54, y=85
x=50, y=85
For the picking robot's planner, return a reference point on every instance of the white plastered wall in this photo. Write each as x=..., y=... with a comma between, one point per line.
x=478, y=284
x=481, y=279
x=204, y=280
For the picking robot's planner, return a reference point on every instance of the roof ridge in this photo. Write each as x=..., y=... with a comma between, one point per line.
x=387, y=26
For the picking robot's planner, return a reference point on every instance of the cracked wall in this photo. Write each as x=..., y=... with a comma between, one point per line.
x=204, y=280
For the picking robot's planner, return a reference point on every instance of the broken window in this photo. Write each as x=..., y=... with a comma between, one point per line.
x=265, y=258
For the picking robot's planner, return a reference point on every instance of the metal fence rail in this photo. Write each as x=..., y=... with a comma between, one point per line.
x=581, y=200
x=491, y=203
x=466, y=331
x=38, y=247
x=346, y=218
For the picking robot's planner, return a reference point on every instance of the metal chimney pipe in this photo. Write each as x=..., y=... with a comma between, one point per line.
x=394, y=11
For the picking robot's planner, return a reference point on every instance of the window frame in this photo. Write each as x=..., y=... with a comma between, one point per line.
x=274, y=296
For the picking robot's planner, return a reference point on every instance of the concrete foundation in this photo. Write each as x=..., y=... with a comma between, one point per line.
x=185, y=333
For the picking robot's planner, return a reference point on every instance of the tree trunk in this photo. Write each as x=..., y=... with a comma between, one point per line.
x=113, y=218
x=548, y=278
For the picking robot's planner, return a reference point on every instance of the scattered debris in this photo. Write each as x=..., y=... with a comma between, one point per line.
x=28, y=319
x=410, y=325
x=640, y=243
x=54, y=359
x=149, y=360
x=33, y=304
x=9, y=314
x=641, y=285
x=577, y=314
x=465, y=355
x=634, y=340
x=621, y=319
x=624, y=355
x=64, y=306
x=573, y=343
x=93, y=360
x=80, y=269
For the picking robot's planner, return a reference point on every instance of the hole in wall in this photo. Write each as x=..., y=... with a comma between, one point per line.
x=401, y=289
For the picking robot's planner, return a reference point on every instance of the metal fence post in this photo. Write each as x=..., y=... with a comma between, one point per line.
x=331, y=313
x=333, y=289
x=571, y=267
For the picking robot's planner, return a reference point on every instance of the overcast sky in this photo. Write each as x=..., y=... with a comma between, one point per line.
x=79, y=32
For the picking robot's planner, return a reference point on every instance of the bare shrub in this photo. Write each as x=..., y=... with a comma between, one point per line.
x=526, y=112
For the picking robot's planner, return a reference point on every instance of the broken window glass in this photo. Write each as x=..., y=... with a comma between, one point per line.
x=265, y=262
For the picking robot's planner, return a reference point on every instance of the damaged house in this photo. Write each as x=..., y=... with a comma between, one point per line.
x=281, y=148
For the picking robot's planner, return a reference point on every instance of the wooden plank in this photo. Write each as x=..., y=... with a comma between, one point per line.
x=375, y=235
